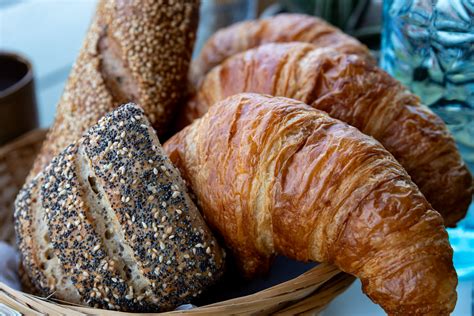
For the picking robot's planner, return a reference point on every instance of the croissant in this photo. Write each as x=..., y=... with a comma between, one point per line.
x=275, y=176
x=242, y=36
x=359, y=93
x=134, y=51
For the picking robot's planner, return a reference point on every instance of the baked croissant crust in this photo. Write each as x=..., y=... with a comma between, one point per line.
x=275, y=176
x=242, y=36
x=361, y=94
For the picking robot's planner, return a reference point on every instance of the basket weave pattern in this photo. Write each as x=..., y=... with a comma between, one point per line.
x=16, y=159
x=308, y=293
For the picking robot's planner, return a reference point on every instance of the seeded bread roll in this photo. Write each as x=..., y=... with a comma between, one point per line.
x=135, y=51
x=109, y=223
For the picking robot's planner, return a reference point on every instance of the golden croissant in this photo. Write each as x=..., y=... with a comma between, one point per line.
x=356, y=92
x=280, y=28
x=275, y=176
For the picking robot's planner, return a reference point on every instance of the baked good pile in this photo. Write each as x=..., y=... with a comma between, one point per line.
x=282, y=137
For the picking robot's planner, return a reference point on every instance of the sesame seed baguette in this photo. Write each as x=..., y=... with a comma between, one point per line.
x=122, y=226
x=134, y=51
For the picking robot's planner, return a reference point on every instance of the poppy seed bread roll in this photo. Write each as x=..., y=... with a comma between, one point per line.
x=109, y=223
x=134, y=51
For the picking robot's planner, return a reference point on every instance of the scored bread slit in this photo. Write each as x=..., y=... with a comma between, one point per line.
x=44, y=253
x=115, y=72
x=108, y=228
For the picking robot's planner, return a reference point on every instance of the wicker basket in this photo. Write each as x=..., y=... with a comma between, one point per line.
x=308, y=293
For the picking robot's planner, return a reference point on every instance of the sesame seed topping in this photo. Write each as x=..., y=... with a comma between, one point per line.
x=102, y=266
x=122, y=169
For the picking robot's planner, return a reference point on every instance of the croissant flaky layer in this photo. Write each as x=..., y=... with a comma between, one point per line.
x=280, y=28
x=359, y=93
x=275, y=176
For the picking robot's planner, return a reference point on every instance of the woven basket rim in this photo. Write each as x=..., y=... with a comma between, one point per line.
x=308, y=292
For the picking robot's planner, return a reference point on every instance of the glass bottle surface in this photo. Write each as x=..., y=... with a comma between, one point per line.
x=428, y=45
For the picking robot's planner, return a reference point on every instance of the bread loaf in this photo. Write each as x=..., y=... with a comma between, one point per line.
x=109, y=223
x=359, y=93
x=275, y=176
x=135, y=51
x=281, y=28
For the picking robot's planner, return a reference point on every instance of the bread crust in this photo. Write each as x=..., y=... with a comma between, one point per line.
x=134, y=51
x=124, y=234
x=359, y=93
x=275, y=176
x=281, y=28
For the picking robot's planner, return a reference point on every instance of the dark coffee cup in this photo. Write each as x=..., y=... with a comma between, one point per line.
x=18, y=113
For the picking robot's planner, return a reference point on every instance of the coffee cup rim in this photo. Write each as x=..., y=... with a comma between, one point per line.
x=24, y=80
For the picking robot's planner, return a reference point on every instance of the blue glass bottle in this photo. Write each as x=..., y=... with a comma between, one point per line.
x=428, y=45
